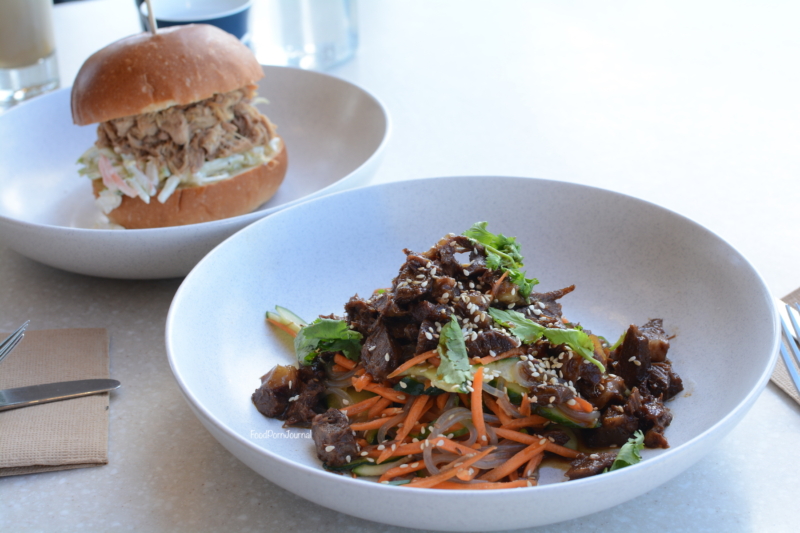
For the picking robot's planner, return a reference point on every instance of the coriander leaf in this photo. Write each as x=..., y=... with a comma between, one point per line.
x=326, y=335
x=529, y=332
x=577, y=340
x=522, y=328
x=454, y=368
x=629, y=453
x=502, y=253
x=619, y=341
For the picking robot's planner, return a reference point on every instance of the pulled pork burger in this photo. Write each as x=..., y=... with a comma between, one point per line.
x=179, y=140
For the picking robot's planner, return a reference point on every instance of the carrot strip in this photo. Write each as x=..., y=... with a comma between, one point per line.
x=411, y=448
x=441, y=400
x=525, y=405
x=579, y=404
x=377, y=407
x=360, y=382
x=505, y=355
x=417, y=359
x=496, y=286
x=517, y=460
x=528, y=421
x=452, y=469
x=390, y=411
x=492, y=405
x=283, y=327
x=418, y=407
x=435, y=361
x=387, y=452
x=561, y=450
x=532, y=465
x=516, y=436
x=363, y=405
x=468, y=474
x=341, y=360
x=477, y=407
x=464, y=400
x=370, y=424
x=338, y=368
x=452, y=485
x=513, y=476
x=401, y=470
x=451, y=445
x=386, y=392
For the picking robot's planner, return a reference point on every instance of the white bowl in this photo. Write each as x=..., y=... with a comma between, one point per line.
x=630, y=260
x=335, y=134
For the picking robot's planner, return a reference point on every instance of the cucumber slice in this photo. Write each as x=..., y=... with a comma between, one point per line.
x=288, y=316
x=361, y=461
x=558, y=416
x=375, y=470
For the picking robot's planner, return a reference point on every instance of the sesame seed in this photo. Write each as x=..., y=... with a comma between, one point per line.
x=394, y=447
x=429, y=335
x=633, y=358
x=637, y=363
x=346, y=402
x=381, y=447
x=440, y=443
x=403, y=385
x=543, y=441
x=387, y=357
x=414, y=465
x=294, y=398
x=347, y=458
x=330, y=448
x=552, y=399
x=290, y=383
x=401, y=397
x=404, y=466
x=364, y=454
x=511, y=305
x=370, y=460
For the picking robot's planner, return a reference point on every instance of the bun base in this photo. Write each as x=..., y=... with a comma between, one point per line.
x=235, y=196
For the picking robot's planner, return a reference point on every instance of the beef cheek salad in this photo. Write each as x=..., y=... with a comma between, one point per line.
x=461, y=376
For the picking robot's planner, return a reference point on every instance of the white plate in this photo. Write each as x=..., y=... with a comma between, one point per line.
x=630, y=260
x=335, y=133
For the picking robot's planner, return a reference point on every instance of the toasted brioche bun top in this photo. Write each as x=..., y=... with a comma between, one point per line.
x=145, y=73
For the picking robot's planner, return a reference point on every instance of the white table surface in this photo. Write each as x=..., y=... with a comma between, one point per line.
x=693, y=106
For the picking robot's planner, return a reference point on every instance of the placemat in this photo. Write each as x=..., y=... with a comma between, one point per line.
x=781, y=376
x=59, y=435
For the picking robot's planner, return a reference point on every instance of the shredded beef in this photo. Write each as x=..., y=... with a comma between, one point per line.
x=184, y=137
x=590, y=465
x=333, y=438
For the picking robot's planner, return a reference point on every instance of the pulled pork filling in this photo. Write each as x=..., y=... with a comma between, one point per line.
x=183, y=138
x=153, y=154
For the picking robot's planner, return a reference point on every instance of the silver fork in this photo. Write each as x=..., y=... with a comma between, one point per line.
x=12, y=340
x=791, y=340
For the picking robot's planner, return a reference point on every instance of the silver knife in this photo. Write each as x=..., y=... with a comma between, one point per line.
x=53, y=392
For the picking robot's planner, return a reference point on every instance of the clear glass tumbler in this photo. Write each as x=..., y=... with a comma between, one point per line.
x=28, y=65
x=309, y=34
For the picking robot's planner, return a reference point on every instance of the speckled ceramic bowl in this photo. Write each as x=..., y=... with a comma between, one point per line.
x=335, y=134
x=630, y=260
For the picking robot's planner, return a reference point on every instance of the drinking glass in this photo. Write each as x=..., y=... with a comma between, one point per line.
x=28, y=65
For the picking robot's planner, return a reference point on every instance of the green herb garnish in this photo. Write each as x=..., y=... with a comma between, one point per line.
x=529, y=332
x=326, y=335
x=454, y=368
x=502, y=253
x=629, y=453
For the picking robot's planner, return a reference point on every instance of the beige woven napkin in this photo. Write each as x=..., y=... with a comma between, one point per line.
x=781, y=376
x=59, y=435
